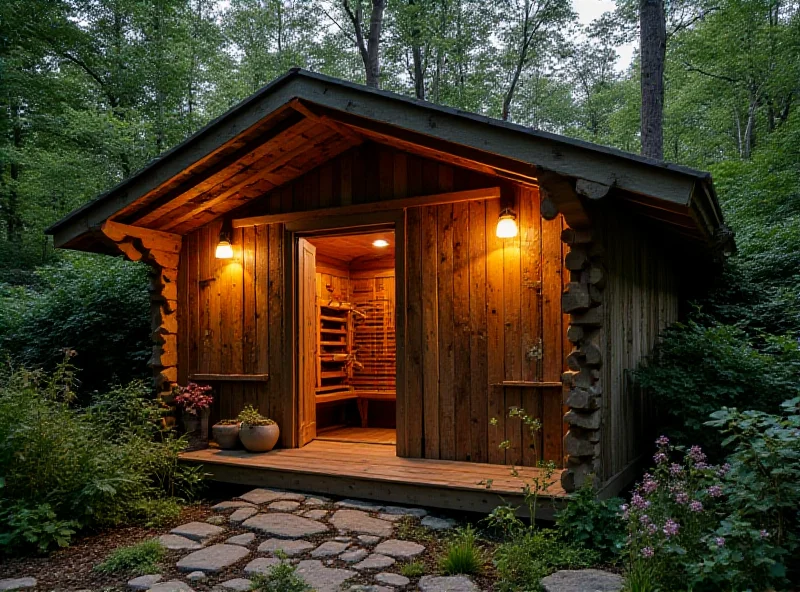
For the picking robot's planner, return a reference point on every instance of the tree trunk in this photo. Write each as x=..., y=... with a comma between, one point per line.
x=373, y=65
x=653, y=48
x=419, y=75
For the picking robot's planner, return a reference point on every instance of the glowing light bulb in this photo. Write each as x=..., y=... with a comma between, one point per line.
x=507, y=224
x=380, y=243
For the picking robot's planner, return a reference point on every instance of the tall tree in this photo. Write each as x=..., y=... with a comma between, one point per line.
x=653, y=52
x=367, y=36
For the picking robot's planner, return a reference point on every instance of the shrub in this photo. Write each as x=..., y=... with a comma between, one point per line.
x=698, y=369
x=687, y=529
x=593, y=524
x=413, y=569
x=250, y=416
x=280, y=578
x=524, y=560
x=96, y=306
x=66, y=468
x=137, y=560
x=462, y=555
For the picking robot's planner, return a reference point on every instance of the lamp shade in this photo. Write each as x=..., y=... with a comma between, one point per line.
x=224, y=250
x=507, y=224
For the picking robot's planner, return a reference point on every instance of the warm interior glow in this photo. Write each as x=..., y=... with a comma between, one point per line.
x=507, y=225
x=380, y=243
x=224, y=250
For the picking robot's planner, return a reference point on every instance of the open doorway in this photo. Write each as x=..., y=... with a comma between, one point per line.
x=347, y=337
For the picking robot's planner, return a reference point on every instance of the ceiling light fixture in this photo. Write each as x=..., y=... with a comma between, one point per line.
x=507, y=224
x=380, y=243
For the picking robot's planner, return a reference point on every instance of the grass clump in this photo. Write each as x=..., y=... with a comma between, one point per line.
x=413, y=569
x=137, y=560
x=462, y=555
x=280, y=578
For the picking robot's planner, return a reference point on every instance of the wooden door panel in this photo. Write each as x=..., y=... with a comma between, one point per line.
x=307, y=341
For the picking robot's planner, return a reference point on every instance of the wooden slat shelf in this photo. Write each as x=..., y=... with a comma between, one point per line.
x=527, y=384
x=343, y=321
x=229, y=377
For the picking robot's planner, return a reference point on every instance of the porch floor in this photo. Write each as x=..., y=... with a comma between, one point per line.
x=373, y=471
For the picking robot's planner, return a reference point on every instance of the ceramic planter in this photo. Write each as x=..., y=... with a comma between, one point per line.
x=226, y=435
x=196, y=428
x=258, y=438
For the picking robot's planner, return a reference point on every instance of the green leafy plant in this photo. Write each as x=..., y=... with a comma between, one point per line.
x=229, y=422
x=137, y=560
x=462, y=554
x=525, y=559
x=413, y=569
x=591, y=523
x=280, y=578
x=409, y=528
x=250, y=416
x=36, y=525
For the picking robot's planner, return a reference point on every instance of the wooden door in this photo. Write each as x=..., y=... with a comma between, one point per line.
x=307, y=340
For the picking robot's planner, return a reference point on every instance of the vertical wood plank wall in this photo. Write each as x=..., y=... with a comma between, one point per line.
x=640, y=299
x=479, y=310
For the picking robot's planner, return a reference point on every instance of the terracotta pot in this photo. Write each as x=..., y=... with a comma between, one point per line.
x=226, y=435
x=259, y=438
x=196, y=428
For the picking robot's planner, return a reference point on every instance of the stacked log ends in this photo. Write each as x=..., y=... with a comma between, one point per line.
x=582, y=301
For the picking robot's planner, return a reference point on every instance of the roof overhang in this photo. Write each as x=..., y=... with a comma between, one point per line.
x=264, y=141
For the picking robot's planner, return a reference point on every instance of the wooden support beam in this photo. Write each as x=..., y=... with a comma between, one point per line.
x=151, y=239
x=559, y=194
x=591, y=189
x=369, y=208
x=339, y=128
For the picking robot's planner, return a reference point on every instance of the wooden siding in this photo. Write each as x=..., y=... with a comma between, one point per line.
x=640, y=299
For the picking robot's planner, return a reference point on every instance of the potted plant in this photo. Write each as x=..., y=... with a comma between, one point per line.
x=257, y=433
x=195, y=404
x=226, y=433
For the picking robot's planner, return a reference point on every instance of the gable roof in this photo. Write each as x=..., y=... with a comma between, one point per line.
x=302, y=119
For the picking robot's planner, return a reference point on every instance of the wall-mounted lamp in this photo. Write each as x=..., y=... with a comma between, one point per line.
x=224, y=248
x=507, y=224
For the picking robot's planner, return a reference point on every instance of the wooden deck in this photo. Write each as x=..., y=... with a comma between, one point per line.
x=385, y=436
x=373, y=471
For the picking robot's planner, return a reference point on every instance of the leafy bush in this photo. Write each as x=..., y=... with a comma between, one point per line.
x=593, y=524
x=65, y=468
x=250, y=416
x=413, y=569
x=698, y=369
x=688, y=528
x=137, y=560
x=525, y=559
x=96, y=306
x=280, y=578
x=462, y=555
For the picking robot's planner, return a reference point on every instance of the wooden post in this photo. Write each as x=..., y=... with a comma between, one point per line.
x=161, y=251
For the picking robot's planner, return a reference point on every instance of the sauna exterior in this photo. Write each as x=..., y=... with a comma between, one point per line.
x=459, y=324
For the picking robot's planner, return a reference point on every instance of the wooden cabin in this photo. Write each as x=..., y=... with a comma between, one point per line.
x=387, y=278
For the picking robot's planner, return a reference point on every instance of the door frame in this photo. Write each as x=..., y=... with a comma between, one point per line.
x=394, y=220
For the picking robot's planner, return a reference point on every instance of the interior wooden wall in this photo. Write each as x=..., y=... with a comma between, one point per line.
x=476, y=306
x=641, y=298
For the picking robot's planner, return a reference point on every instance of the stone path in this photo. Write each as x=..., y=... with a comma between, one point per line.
x=347, y=545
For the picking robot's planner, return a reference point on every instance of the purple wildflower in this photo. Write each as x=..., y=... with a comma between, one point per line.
x=696, y=506
x=696, y=454
x=701, y=465
x=682, y=497
x=637, y=501
x=724, y=470
x=715, y=491
x=720, y=541
x=675, y=469
x=644, y=519
x=650, y=484
x=660, y=458
x=662, y=441
x=652, y=528
x=671, y=527
x=648, y=552
x=764, y=534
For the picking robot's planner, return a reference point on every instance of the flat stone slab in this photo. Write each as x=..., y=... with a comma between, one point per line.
x=17, y=583
x=315, y=514
x=171, y=586
x=198, y=531
x=370, y=588
x=287, y=526
x=317, y=500
x=361, y=522
x=239, y=584
x=144, y=582
x=216, y=520
x=262, y=565
x=231, y=505
x=447, y=584
x=175, y=542
x=400, y=511
x=369, y=539
x=241, y=539
x=374, y=561
x=290, y=548
x=284, y=506
x=582, y=580
x=399, y=549
x=196, y=576
x=213, y=559
x=329, y=549
x=321, y=578
x=438, y=523
x=264, y=496
x=354, y=556
x=242, y=514
x=392, y=579
x=390, y=517
x=354, y=504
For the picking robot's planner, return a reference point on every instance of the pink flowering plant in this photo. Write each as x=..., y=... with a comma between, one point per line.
x=684, y=533
x=193, y=398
